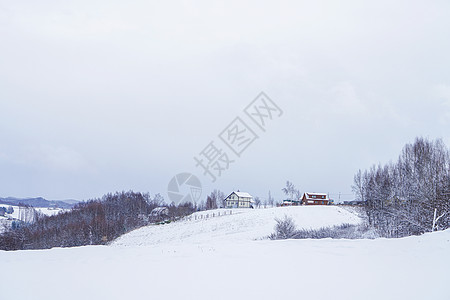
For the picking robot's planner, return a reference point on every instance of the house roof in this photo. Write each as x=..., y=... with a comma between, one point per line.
x=309, y=195
x=241, y=195
x=159, y=210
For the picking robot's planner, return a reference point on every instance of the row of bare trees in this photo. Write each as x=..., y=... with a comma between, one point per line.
x=410, y=196
x=214, y=200
x=94, y=222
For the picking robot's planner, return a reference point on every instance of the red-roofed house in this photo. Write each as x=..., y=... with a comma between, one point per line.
x=315, y=199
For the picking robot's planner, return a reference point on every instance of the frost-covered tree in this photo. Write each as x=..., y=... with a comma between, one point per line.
x=257, y=202
x=410, y=196
x=290, y=191
x=157, y=200
x=284, y=229
x=219, y=197
x=215, y=200
x=210, y=203
x=270, y=199
x=96, y=221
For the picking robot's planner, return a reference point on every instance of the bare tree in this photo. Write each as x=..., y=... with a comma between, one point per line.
x=96, y=221
x=210, y=203
x=215, y=200
x=158, y=200
x=291, y=192
x=219, y=197
x=410, y=196
x=358, y=186
x=270, y=199
x=257, y=202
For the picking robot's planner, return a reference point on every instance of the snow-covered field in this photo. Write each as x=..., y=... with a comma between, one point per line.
x=19, y=214
x=44, y=210
x=241, y=225
x=219, y=258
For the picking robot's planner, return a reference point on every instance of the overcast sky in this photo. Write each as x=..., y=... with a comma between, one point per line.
x=103, y=96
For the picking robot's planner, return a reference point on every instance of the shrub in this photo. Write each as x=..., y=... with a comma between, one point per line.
x=344, y=231
x=284, y=229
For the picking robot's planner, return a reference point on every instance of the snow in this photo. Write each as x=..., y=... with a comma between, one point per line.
x=242, y=225
x=243, y=194
x=309, y=196
x=6, y=220
x=219, y=259
x=44, y=210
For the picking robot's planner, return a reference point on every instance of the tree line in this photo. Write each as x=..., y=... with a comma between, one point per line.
x=411, y=195
x=94, y=222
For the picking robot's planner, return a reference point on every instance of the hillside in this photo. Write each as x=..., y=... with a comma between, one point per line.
x=19, y=214
x=240, y=225
x=218, y=258
x=38, y=202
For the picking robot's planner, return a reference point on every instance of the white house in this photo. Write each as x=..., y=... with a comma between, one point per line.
x=239, y=200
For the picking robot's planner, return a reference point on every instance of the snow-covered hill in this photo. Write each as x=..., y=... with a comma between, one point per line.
x=21, y=213
x=179, y=261
x=236, y=225
x=38, y=202
x=48, y=211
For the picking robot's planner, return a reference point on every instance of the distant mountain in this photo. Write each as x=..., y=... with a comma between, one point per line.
x=39, y=202
x=70, y=201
